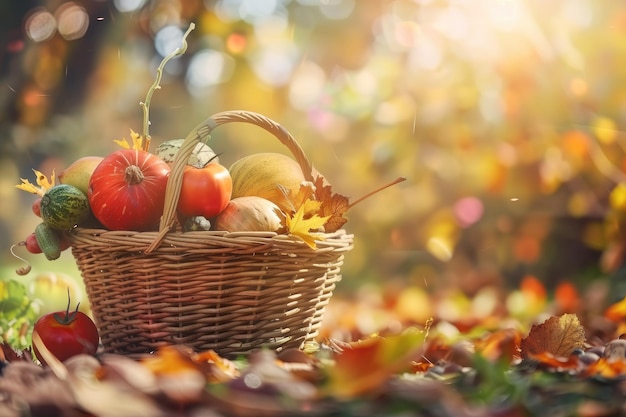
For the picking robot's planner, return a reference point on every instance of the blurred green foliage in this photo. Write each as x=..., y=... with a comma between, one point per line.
x=18, y=312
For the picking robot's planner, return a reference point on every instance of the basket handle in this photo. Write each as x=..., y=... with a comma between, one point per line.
x=202, y=132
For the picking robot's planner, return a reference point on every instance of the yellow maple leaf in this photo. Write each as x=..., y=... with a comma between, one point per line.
x=43, y=184
x=136, y=139
x=304, y=228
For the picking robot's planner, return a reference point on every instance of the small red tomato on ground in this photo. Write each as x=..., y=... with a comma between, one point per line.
x=205, y=191
x=37, y=207
x=66, y=334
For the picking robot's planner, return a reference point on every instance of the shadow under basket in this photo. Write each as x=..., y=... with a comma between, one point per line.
x=229, y=292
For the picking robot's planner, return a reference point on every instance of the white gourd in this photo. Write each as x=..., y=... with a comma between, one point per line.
x=249, y=214
x=201, y=155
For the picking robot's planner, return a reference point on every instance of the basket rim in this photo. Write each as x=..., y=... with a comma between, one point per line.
x=339, y=240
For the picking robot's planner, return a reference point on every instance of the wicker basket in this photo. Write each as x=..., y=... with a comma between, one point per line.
x=230, y=292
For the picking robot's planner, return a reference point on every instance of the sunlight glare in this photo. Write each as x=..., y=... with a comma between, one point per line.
x=453, y=23
x=426, y=54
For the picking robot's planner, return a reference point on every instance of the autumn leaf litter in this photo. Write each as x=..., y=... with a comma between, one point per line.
x=414, y=371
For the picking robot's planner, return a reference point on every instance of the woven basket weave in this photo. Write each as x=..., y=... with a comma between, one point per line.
x=229, y=292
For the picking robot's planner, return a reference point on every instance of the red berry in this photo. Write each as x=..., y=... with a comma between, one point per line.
x=31, y=244
x=37, y=207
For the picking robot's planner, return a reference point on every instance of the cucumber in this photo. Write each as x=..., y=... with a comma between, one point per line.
x=64, y=206
x=48, y=240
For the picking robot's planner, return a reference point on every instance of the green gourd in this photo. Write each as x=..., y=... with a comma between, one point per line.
x=48, y=240
x=64, y=206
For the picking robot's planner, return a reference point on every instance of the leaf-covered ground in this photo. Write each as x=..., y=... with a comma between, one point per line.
x=373, y=358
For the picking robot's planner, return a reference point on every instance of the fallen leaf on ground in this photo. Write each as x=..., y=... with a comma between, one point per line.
x=559, y=336
x=363, y=366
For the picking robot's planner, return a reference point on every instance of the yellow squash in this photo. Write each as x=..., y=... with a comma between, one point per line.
x=262, y=174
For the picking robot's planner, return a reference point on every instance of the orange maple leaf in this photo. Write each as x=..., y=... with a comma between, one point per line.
x=504, y=343
x=363, y=366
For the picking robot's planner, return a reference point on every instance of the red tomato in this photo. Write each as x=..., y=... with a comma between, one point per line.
x=205, y=191
x=66, y=334
x=127, y=190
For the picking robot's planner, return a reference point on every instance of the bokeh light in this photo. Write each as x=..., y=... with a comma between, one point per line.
x=128, y=6
x=337, y=9
x=468, y=210
x=208, y=68
x=307, y=85
x=40, y=25
x=73, y=21
x=168, y=39
x=274, y=66
x=248, y=10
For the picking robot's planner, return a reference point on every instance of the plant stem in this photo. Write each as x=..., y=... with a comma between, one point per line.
x=157, y=85
x=371, y=193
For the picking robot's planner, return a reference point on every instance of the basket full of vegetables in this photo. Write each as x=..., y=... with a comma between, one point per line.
x=175, y=248
x=197, y=254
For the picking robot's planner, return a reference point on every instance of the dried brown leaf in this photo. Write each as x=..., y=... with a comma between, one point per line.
x=295, y=200
x=333, y=205
x=559, y=336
